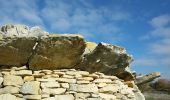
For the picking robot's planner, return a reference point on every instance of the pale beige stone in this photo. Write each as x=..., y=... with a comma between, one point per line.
x=109, y=77
x=83, y=82
x=50, y=98
x=107, y=96
x=32, y=97
x=77, y=72
x=68, y=76
x=21, y=72
x=55, y=75
x=38, y=75
x=19, y=68
x=46, y=80
x=82, y=95
x=1, y=80
x=111, y=88
x=65, y=85
x=28, y=78
x=65, y=80
x=97, y=99
x=7, y=97
x=100, y=85
x=9, y=89
x=95, y=76
x=64, y=97
x=45, y=95
x=53, y=91
x=103, y=81
x=59, y=73
x=90, y=46
x=50, y=84
x=13, y=80
x=32, y=87
x=92, y=88
x=86, y=78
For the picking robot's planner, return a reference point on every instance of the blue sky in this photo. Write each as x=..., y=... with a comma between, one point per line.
x=141, y=26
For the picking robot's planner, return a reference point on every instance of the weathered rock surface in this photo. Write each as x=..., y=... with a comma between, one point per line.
x=32, y=87
x=147, y=78
x=18, y=30
x=9, y=89
x=7, y=97
x=57, y=51
x=99, y=71
x=17, y=43
x=12, y=80
x=64, y=97
x=108, y=59
x=91, y=88
x=15, y=51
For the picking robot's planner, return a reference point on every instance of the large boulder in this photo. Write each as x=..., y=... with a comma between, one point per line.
x=15, y=51
x=18, y=30
x=108, y=59
x=17, y=43
x=57, y=51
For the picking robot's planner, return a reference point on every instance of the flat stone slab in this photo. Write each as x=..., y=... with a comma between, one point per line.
x=57, y=52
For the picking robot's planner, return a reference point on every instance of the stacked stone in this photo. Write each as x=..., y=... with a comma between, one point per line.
x=19, y=83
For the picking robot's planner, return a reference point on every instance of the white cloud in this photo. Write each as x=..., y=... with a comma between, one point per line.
x=66, y=17
x=160, y=21
x=145, y=62
x=159, y=48
x=20, y=11
x=82, y=17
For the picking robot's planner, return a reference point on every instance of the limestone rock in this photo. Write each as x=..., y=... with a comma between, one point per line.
x=108, y=59
x=32, y=87
x=65, y=80
x=1, y=80
x=103, y=81
x=22, y=72
x=65, y=85
x=64, y=97
x=29, y=78
x=50, y=84
x=82, y=95
x=77, y=72
x=107, y=96
x=57, y=51
x=12, y=80
x=18, y=30
x=32, y=97
x=50, y=98
x=139, y=96
x=90, y=46
x=53, y=91
x=110, y=89
x=7, y=97
x=92, y=88
x=147, y=78
x=9, y=89
x=96, y=99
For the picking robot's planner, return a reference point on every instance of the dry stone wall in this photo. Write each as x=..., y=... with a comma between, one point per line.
x=62, y=67
x=19, y=83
